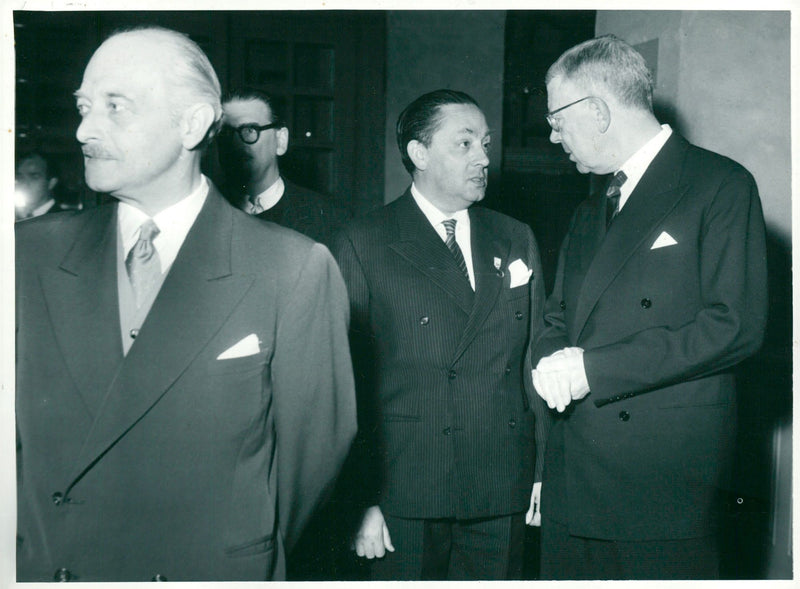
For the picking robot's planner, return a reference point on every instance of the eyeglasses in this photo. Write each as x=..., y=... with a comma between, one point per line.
x=250, y=132
x=556, y=123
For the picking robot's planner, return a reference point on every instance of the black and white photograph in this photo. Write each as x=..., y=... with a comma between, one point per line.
x=454, y=291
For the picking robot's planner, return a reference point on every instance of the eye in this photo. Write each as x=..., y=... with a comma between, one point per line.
x=116, y=106
x=83, y=108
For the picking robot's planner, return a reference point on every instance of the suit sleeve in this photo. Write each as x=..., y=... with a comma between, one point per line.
x=362, y=473
x=543, y=416
x=729, y=325
x=314, y=396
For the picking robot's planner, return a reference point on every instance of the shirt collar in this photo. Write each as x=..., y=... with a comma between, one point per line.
x=43, y=208
x=638, y=163
x=269, y=198
x=173, y=223
x=434, y=215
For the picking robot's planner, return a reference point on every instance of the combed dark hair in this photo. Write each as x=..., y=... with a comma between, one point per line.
x=610, y=63
x=420, y=119
x=254, y=94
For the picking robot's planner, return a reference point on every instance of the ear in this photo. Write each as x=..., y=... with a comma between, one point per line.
x=52, y=183
x=282, y=136
x=195, y=122
x=602, y=114
x=418, y=153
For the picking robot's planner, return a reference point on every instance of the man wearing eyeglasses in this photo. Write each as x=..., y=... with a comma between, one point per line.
x=660, y=291
x=252, y=139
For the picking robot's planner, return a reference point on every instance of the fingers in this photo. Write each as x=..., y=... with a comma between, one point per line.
x=553, y=388
x=387, y=539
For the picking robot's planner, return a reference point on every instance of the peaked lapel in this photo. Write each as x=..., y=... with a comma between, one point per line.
x=486, y=245
x=197, y=295
x=81, y=295
x=656, y=194
x=419, y=244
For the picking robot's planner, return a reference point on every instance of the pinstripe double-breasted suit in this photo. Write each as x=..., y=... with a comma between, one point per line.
x=448, y=415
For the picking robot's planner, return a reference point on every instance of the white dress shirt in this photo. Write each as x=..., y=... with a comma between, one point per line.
x=173, y=224
x=267, y=199
x=638, y=163
x=435, y=217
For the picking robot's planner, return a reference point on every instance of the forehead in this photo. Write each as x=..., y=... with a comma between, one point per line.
x=561, y=91
x=128, y=64
x=238, y=112
x=461, y=118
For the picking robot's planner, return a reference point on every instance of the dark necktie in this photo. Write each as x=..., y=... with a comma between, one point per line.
x=612, y=196
x=452, y=244
x=143, y=263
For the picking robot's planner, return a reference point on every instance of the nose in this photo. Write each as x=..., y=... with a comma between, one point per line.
x=482, y=157
x=555, y=136
x=88, y=128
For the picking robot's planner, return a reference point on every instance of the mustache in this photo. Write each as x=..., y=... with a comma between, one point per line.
x=95, y=151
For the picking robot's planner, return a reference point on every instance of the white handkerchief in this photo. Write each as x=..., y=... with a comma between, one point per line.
x=664, y=240
x=519, y=273
x=244, y=347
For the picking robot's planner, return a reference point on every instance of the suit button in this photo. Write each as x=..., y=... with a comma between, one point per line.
x=624, y=416
x=451, y=375
x=424, y=320
x=134, y=333
x=58, y=499
x=512, y=423
x=563, y=305
x=159, y=577
x=519, y=315
x=446, y=431
x=646, y=303
x=62, y=575
x=508, y=369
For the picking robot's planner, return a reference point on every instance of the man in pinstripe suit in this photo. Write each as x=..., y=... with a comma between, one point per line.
x=445, y=297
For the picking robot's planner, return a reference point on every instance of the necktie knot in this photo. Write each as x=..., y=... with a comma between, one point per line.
x=450, y=227
x=452, y=245
x=143, y=263
x=613, y=194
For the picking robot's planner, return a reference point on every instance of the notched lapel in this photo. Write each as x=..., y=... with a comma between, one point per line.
x=486, y=246
x=419, y=244
x=197, y=295
x=658, y=192
x=81, y=295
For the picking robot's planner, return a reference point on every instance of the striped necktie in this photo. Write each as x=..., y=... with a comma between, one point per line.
x=450, y=228
x=612, y=196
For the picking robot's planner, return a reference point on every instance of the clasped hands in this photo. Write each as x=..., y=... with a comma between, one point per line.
x=560, y=378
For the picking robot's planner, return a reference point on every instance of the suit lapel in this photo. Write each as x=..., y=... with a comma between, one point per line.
x=419, y=244
x=486, y=245
x=197, y=295
x=654, y=197
x=81, y=295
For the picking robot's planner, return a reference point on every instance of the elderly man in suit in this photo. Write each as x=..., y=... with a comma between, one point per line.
x=444, y=298
x=253, y=138
x=197, y=399
x=660, y=291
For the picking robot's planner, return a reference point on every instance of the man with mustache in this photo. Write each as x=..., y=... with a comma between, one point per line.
x=197, y=396
x=445, y=296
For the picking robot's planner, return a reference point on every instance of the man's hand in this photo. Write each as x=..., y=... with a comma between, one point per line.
x=373, y=539
x=534, y=516
x=561, y=378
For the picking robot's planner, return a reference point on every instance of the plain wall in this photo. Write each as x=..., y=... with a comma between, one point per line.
x=428, y=50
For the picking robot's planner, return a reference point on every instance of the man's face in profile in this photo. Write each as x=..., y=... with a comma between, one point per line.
x=33, y=181
x=129, y=133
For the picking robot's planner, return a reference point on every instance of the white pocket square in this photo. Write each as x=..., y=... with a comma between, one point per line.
x=519, y=273
x=244, y=347
x=663, y=240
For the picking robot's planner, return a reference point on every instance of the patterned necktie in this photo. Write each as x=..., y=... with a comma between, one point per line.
x=450, y=228
x=612, y=196
x=143, y=263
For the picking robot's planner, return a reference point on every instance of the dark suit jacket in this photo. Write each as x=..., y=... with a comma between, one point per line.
x=306, y=211
x=446, y=404
x=645, y=455
x=170, y=461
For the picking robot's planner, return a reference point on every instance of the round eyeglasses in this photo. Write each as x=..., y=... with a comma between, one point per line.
x=250, y=132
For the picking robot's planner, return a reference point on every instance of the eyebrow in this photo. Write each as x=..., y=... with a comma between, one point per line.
x=472, y=131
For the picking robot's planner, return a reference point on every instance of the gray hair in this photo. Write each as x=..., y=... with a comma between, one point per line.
x=192, y=76
x=610, y=63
